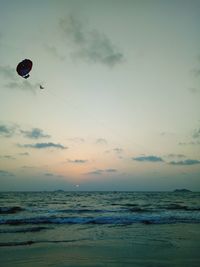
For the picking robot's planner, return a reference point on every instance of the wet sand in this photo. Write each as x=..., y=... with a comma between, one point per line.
x=174, y=245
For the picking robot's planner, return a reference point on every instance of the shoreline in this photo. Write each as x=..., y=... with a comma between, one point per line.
x=135, y=245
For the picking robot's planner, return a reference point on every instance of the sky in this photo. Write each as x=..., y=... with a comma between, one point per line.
x=120, y=105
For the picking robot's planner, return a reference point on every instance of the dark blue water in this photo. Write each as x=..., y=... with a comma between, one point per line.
x=33, y=208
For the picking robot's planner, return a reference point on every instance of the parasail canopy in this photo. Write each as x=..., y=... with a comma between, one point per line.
x=24, y=67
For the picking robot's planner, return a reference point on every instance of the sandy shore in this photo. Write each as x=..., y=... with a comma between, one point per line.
x=134, y=245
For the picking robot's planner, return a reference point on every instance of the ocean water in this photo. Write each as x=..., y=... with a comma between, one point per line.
x=27, y=218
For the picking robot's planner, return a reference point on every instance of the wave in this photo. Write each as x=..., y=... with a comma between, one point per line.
x=121, y=209
x=10, y=210
x=165, y=218
x=11, y=244
x=31, y=242
x=24, y=230
x=82, y=211
x=179, y=207
x=138, y=209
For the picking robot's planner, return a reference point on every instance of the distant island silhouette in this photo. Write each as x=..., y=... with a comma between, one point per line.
x=182, y=190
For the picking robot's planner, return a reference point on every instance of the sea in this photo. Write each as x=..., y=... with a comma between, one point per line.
x=30, y=212
x=122, y=226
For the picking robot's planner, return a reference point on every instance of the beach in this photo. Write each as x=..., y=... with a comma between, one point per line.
x=138, y=245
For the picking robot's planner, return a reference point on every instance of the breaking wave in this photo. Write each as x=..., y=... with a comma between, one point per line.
x=165, y=218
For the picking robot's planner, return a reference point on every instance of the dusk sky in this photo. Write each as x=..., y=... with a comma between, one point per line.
x=121, y=104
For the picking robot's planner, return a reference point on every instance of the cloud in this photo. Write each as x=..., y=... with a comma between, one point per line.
x=148, y=159
x=49, y=174
x=110, y=170
x=7, y=157
x=52, y=50
x=194, y=90
x=196, y=133
x=166, y=134
x=35, y=133
x=196, y=72
x=102, y=171
x=176, y=156
x=118, y=150
x=24, y=154
x=44, y=145
x=14, y=83
x=101, y=141
x=78, y=161
x=28, y=167
x=8, y=72
x=7, y=130
x=23, y=85
x=5, y=173
x=89, y=44
x=185, y=162
x=192, y=143
x=195, y=136
x=97, y=172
